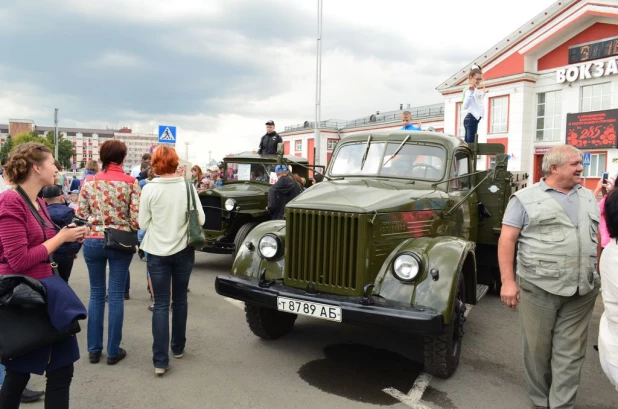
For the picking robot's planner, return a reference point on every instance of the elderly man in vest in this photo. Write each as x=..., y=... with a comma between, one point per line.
x=555, y=224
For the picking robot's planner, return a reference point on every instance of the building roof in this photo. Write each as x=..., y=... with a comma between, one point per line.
x=84, y=131
x=511, y=41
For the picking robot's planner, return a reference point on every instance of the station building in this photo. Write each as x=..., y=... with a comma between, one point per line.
x=554, y=80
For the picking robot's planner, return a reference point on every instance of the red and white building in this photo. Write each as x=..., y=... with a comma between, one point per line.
x=299, y=139
x=553, y=81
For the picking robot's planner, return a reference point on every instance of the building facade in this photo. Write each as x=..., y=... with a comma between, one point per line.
x=88, y=141
x=553, y=81
x=299, y=139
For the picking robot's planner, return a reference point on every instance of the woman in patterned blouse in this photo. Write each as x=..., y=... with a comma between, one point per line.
x=108, y=199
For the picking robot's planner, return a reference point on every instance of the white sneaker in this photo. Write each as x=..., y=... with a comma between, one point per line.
x=179, y=355
x=161, y=371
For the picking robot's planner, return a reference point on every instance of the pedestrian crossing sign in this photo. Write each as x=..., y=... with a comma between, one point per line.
x=167, y=134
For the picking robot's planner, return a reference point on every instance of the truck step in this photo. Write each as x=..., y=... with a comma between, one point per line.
x=481, y=290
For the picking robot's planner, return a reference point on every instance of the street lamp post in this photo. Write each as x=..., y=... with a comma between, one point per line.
x=318, y=88
x=56, y=133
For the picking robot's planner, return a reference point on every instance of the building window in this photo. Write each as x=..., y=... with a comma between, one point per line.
x=499, y=114
x=330, y=145
x=595, y=97
x=548, y=116
x=461, y=114
x=298, y=146
x=597, y=165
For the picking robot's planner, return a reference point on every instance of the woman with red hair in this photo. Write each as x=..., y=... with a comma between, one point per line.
x=163, y=215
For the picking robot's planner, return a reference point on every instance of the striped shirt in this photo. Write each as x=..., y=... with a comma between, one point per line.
x=21, y=238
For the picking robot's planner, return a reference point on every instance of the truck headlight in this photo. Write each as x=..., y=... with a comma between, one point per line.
x=407, y=266
x=270, y=246
x=230, y=204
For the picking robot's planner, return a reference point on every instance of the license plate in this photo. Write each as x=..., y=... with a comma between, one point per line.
x=310, y=309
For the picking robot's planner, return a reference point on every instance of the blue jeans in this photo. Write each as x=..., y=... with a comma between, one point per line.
x=471, y=124
x=163, y=269
x=96, y=258
x=2, y=372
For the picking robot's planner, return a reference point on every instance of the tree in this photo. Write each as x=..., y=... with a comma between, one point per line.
x=6, y=148
x=31, y=137
x=66, y=151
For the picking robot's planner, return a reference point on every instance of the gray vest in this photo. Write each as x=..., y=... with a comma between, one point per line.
x=554, y=254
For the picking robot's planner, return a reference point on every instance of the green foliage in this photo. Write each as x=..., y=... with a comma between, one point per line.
x=7, y=147
x=65, y=147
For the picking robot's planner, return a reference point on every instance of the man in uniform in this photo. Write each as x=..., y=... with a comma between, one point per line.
x=270, y=140
x=555, y=224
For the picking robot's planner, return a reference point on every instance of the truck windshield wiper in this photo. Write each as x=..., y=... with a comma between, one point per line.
x=398, y=149
x=366, y=152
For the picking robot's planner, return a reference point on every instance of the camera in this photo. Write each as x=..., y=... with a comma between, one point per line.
x=79, y=222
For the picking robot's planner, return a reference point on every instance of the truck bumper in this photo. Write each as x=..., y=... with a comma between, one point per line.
x=382, y=313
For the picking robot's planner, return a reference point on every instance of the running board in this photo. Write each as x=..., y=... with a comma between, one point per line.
x=481, y=291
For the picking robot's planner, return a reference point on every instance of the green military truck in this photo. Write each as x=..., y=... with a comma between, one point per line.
x=234, y=209
x=400, y=235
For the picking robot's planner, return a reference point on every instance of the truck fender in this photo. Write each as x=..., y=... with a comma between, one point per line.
x=447, y=256
x=248, y=261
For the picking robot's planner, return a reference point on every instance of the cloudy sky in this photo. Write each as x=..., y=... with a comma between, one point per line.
x=218, y=69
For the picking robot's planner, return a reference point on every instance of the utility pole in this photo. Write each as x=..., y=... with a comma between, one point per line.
x=318, y=88
x=56, y=134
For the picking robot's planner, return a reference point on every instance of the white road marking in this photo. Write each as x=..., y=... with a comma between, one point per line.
x=236, y=303
x=413, y=398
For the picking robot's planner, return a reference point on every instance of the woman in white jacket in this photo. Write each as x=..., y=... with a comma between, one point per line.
x=163, y=215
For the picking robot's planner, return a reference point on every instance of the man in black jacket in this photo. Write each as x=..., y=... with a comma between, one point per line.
x=281, y=193
x=270, y=140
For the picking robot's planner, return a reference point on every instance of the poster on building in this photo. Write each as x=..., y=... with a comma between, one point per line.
x=590, y=130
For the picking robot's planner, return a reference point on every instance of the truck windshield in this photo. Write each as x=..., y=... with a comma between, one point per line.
x=413, y=161
x=254, y=172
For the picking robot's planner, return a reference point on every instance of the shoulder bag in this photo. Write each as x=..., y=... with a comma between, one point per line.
x=25, y=322
x=195, y=235
x=116, y=239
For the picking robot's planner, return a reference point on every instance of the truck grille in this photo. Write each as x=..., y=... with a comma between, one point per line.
x=212, y=211
x=324, y=248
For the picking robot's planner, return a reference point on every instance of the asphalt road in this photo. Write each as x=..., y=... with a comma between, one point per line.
x=319, y=365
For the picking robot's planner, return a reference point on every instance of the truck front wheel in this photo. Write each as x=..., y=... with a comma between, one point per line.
x=441, y=353
x=267, y=323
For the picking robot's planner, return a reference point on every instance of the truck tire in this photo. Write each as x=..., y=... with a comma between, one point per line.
x=441, y=353
x=267, y=323
x=244, y=230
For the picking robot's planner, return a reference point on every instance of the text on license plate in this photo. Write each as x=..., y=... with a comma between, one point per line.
x=310, y=309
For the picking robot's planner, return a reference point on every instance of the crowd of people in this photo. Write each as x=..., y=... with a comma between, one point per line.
x=44, y=225
x=40, y=236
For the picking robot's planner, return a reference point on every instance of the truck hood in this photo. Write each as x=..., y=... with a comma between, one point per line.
x=370, y=195
x=234, y=190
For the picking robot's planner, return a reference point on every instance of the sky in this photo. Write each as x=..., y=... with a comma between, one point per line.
x=219, y=69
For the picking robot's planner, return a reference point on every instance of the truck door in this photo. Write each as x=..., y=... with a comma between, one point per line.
x=464, y=220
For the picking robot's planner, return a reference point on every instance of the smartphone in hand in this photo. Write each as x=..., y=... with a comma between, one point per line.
x=604, y=177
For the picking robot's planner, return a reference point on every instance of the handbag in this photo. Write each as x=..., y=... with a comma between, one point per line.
x=195, y=235
x=116, y=239
x=26, y=325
